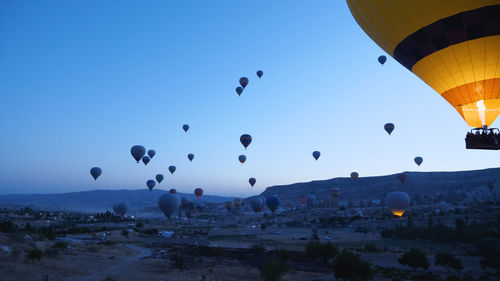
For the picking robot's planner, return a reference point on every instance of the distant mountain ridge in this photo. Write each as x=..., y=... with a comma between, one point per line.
x=375, y=188
x=97, y=200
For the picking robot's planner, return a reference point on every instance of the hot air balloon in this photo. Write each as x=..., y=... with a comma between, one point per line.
x=120, y=208
x=354, y=176
x=151, y=153
x=389, y=127
x=242, y=158
x=311, y=201
x=184, y=201
x=171, y=169
x=273, y=202
x=382, y=59
x=169, y=204
x=190, y=157
x=335, y=192
x=237, y=202
x=257, y=203
x=260, y=73
x=173, y=191
x=150, y=184
x=229, y=206
x=453, y=46
x=252, y=181
x=137, y=152
x=402, y=178
x=303, y=200
x=243, y=82
x=316, y=155
x=198, y=192
x=146, y=160
x=95, y=172
x=398, y=202
x=245, y=140
x=418, y=160
x=159, y=178
x=185, y=127
x=239, y=90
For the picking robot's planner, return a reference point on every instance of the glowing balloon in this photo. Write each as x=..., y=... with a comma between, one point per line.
x=398, y=202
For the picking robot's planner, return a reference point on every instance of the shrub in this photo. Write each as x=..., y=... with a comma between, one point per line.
x=324, y=251
x=350, y=266
x=51, y=253
x=414, y=258
x=60, y=245
x=35, y=254
x=448, y=261
x=273, y=271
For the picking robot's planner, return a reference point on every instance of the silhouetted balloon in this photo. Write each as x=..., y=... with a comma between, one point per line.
x=137, y=152
x=311, y=200
x=237, y=202
x=245, y=140
x=150, y=184
x=239, y=90
x=151, y=153
x=185, y=127
x=252, y=181
x=146, y=160
x=171, y=169
x=229, y=205
x=389, y=127
x=335, y=192
x=173, y=191
x=398, y=202
x=257, y=203
x=316, y=155
x=120, y=208
x=303, y=200
x=190, y=157
x=354, y=175
x=242, y=158
x=95, y=172
x=169, y=204
x=382, y=59
x=243, y=82
x=402, y=178
x=273, y=202
x=159, y=178
x=260, y=73
x=418, y=160
x=198, y=192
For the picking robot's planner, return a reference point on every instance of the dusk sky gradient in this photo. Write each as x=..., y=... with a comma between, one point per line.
x=83, y=81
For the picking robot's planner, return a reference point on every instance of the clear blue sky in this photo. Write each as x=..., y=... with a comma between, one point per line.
x=83, y=81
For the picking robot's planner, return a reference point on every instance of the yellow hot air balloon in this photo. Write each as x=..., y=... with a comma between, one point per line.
x=453, y=45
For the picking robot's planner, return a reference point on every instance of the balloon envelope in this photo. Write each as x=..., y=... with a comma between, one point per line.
x=242, y=158
x=316, y=155
x=354, y=175
x=159, y=178
x=389, y=127
x=239, y=90
x=273, y=202
x=185, y=127
x=198, y=192
x=151, y=153
x=237, y=202
x=382, y=59
x=120, y=208
x=245, y=140
x=95, y=172
x=257, y=203
x=335, y=192
x=150, y=184
x=402, y=178
x=173, y=191
x=398, y=202
x=260, y=73
x=137, y=152
x=229, y=205
x=171, y=169
x=169, y=204
x=252, y=181
x=454, y=46
x=146, y=160
x=190, y=157
x=418, y=160
x=243, y=82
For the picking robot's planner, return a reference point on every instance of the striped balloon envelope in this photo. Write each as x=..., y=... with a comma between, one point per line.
x=453, y=45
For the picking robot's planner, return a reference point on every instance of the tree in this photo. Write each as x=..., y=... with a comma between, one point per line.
x=349, y=266
x=414, y=258
x=273, y=271
x=35, y=254
x=489, y=250
x=324, y=251
x=448, y=261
